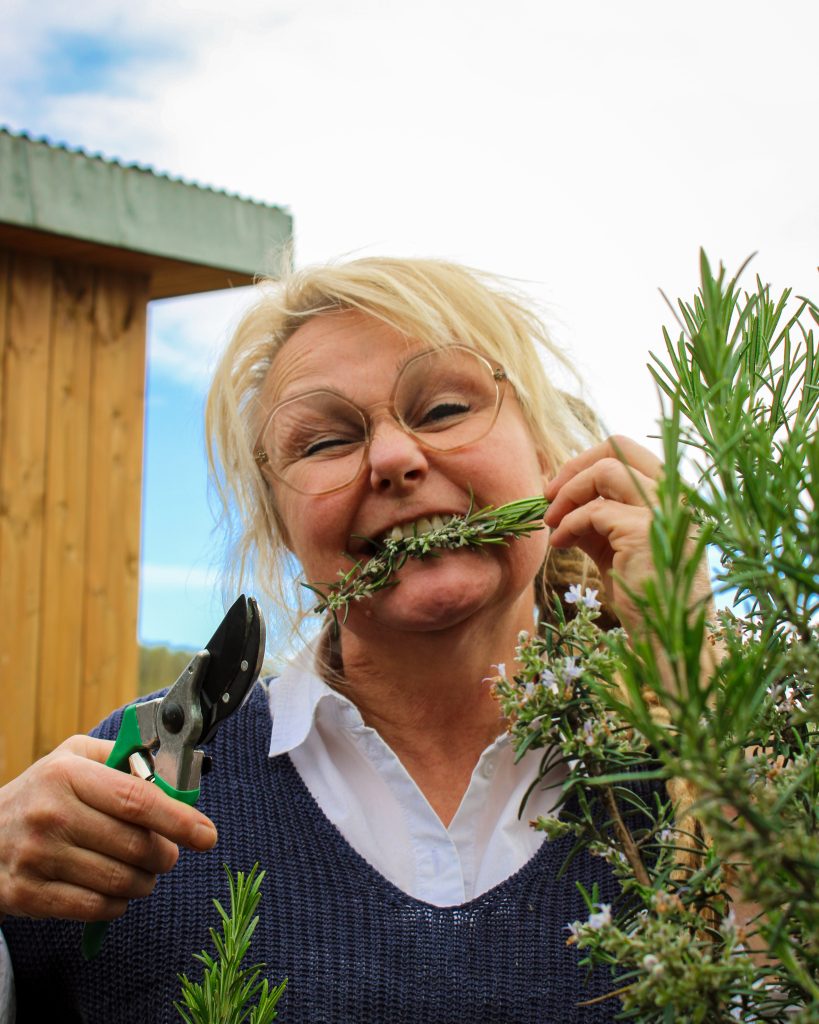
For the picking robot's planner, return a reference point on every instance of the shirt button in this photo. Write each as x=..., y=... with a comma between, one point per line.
x=488, y=769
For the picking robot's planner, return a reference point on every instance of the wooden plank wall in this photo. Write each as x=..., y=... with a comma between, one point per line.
x=72, y=371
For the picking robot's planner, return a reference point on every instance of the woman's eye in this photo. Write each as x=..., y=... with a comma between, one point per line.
x=443, y=412
x=327, y=446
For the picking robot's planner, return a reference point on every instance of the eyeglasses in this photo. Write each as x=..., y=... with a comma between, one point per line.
x=316, y=443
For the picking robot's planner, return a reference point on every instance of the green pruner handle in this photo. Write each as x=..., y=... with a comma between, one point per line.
x=128, y=742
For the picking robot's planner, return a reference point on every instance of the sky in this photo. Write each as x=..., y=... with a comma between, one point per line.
x=585, y=150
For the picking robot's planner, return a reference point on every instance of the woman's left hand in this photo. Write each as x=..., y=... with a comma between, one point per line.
x=601, y=502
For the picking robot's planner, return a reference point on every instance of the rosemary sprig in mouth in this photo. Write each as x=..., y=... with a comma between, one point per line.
x=474, y=529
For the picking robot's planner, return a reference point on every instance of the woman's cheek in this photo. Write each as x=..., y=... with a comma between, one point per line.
x=318, y=537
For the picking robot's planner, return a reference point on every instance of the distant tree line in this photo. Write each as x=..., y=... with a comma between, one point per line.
x=159, y=667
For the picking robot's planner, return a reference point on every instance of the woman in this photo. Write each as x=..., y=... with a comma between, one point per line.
x=355, y=402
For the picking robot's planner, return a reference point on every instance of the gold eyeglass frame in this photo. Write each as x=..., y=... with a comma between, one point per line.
x=262, y=459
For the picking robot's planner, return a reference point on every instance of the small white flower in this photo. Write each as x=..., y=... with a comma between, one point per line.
x=667, y=835
x=588, y=733
x=523, y=636
x=789, y=702
x=601, y=918
x=574, y=928
x=576, y=595
x=571, y=671
x=501, y=667
x=549, y=681
x=652, y=963
x=529, y=690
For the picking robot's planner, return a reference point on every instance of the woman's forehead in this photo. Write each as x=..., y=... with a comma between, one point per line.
x=338, y=350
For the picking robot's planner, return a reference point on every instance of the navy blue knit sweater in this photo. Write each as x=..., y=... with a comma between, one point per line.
x=354, y=947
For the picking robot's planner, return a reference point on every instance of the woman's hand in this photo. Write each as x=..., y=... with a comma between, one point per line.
x=78, y=839
x=602, y=503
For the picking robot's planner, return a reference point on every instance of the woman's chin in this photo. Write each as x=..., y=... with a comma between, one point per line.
x=431, y=595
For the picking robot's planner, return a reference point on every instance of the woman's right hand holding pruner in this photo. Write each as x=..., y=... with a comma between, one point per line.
x=79, y=840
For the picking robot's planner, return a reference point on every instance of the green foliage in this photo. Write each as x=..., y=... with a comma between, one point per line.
x=721, y=705
x=228, y=990
x=476, y=528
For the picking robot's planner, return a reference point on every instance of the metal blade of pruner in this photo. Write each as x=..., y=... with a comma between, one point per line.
x=214, y=684
x=158, y=739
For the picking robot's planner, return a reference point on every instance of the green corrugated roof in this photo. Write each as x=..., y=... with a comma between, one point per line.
x=70, y=193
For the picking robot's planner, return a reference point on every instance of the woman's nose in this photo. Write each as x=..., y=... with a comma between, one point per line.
x=397, y=462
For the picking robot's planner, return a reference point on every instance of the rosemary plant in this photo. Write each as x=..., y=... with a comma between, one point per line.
x=473, y=530
x=693, y=747
x=228, y=990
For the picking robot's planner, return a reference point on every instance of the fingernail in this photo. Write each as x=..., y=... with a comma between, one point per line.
x=205, y=836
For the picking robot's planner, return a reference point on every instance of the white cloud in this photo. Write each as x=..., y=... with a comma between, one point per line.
x=588, y=149
x=185, y=336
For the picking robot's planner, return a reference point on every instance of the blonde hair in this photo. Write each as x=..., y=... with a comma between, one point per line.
x=437, y=301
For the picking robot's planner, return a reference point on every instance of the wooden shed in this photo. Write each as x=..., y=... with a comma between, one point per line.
x=85, y=244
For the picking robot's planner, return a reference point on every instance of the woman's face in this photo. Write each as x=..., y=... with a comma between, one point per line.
x=400, y=482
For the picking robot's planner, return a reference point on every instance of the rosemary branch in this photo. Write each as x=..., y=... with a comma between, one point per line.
x=230, y=991
x=478, y=527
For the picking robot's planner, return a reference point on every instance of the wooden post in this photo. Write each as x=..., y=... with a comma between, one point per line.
x=72, y=372
x=66, y=510
x=114, y=495
x=22, y=499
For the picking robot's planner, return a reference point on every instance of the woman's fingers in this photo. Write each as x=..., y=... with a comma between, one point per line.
x=604, y=528
x=601, y=502
x=90, y=747
x=112, y=878
x=605, y=478
x=622, y=449
x=140, y=848
x=44, y=898
x=127, y=798
x=78, y=839
x=73, y=882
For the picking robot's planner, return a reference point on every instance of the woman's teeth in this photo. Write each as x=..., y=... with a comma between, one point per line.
x=415, y=529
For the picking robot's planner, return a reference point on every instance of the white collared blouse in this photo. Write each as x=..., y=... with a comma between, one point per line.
x=366, y=792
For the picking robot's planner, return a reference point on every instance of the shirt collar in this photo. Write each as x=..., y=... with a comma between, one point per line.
x=299, y=694
x=294, y=698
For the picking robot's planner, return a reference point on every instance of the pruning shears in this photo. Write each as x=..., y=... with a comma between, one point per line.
x=158, y=739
